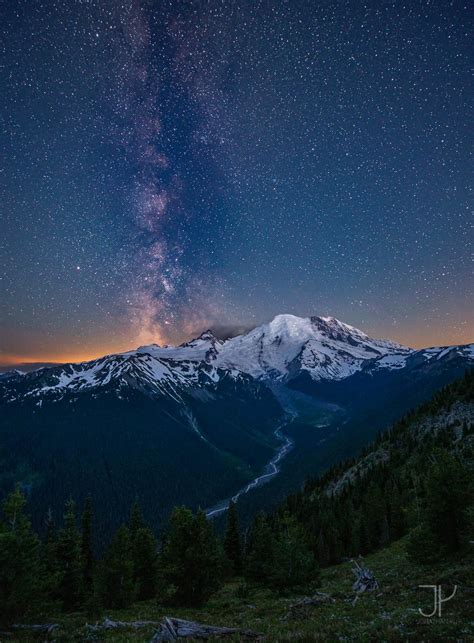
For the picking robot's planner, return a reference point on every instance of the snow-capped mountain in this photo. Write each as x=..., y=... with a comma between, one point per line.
x=288, y=347
x=434, y=354
x=323, y=346
x=194, y=423
x=135, y=425
x=136, y=370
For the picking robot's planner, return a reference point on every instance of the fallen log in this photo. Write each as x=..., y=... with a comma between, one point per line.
x=41, y=627
x=172, y=629
x=169, y=629
x=109, y=624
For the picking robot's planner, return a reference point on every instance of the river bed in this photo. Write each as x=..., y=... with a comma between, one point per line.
x=271, y=469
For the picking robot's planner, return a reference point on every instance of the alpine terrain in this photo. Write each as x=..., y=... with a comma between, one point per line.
x=195, y=423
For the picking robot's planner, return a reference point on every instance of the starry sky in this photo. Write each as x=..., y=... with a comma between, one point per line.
x=176, y=165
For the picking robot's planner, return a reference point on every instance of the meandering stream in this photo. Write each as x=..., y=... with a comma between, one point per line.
x=271, y=469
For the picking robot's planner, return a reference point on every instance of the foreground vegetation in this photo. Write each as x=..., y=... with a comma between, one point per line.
x=391, y=613
x=407, y=505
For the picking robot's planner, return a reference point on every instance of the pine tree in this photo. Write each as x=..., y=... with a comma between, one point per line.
x=88, y=561
x=423, y=546
x=69, y=558
x=115, y=582
x=396, y=515
x=176, y=554
x=50, y=527
x=192, y=559
x=374, y=511
x=209, y=556
x=144, y=550
x=145, y=563
x=50, y=555
x=384, y=531
x=293, y=562
x=232, y=544
x=136, y=521
x=355, y=545
x=259, y=554
x=22, y=575
x=322, y=549
x=449, y=493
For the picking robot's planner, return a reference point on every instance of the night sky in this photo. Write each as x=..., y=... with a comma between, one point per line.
x=173, y=166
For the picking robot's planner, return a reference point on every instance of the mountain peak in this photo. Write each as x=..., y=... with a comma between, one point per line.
x=286, y=318
x=332, y=324
x=207, y=335
x=288, y=323
x=293, y=326
x=143, y=348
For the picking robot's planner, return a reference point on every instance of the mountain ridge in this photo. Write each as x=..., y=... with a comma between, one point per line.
x=287, y=347
x=133, y=422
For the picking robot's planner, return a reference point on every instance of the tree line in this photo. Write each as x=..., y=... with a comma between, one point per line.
x=190, y=562
x=413, y=481
x=421, y=486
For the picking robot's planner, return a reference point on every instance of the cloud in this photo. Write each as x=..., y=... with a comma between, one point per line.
x=225, y=331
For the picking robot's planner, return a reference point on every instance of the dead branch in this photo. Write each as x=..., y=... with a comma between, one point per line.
x=172, y=629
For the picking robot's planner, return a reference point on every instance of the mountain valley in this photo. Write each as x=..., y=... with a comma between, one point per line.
x=195, y=423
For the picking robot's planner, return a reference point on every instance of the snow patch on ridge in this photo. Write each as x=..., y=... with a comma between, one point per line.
x=323, y=347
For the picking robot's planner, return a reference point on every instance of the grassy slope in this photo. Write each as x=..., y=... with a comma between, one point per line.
x=388, y=614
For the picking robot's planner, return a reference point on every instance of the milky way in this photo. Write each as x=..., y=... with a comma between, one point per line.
x=176, y=165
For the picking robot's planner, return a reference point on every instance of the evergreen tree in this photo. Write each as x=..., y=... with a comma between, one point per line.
x=88, y=561
x=21, y=572
x=259, y=554
x=293, y=562
x=145, y=563
x=115, y=582
x=423, y=546
x=374, y=511
x=322, y=549
x=396, y=516
x=69, y=557
x=136, y=521
x=209, y=558
x=50, y=527
x=175, y=555
x=50, y=555
x=384, y=531
x=192, y=560
x=232, y=544
x=50, y=542
x=449, y=493
x=354, y=548
x=345, y=520
x=144, y=549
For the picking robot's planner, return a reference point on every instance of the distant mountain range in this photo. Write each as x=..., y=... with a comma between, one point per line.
x=323, y=348
x=191, y=423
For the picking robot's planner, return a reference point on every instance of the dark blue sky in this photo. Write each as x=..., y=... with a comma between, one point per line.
x=176, y=165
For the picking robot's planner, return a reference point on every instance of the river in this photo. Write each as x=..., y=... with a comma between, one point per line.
x=271, y=469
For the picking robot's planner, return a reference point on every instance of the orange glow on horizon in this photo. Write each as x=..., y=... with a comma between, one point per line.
x=56, y=358
x=418, y=335
x=60, y=357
